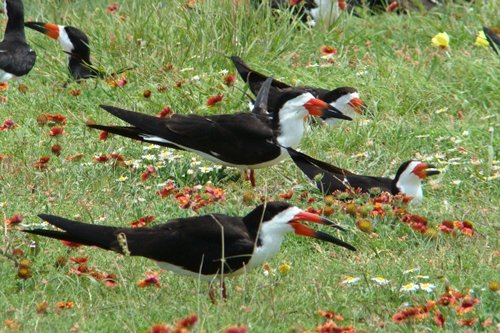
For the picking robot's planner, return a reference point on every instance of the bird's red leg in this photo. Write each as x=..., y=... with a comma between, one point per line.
x=252, y=177
x=211, y=294
x=224, y=290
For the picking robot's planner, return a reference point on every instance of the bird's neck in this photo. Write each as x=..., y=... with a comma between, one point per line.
x=290, y=128
x=412, y=186
x=15, y=27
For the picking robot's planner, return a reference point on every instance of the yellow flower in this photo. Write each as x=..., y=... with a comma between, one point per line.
x=481, y=39
x=122, y=179
x=284, y=268
x=442, y=40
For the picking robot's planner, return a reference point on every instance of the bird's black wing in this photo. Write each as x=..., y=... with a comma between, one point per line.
x=196, y=244
x=242, y=138
x=493, y=39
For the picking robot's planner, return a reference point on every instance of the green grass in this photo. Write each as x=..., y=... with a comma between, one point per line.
x=401, y=76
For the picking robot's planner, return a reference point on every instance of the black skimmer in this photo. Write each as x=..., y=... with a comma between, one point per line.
x=493, y=37
x=75, y=44
x=344, y=99
x=16, y=56
x=247, y=140
x=204, y=247
x=311, y=12
x=408, y=179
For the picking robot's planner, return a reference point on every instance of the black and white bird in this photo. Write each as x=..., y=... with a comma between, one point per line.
x=344, y=99
x=329, y=178
x=16, y=56
x=247, y=140
x=204, y=247
x=76, y=45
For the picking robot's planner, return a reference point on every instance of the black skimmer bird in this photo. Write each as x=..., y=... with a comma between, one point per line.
x=493, y=37
x=311, y=12
x=247, y=140
x=16, y=56
x=344, y=99
x=204, y=247
x=76, y=45
x=408, y=179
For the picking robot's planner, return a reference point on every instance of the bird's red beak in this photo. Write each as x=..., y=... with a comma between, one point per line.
x=317, y=107
x=423, y=170
x=49, y=29
x=357, y=104
x=303, y=230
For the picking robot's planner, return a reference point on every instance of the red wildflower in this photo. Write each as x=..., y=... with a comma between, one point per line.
x=229, y=79
x=450, y=297
x=216, y=193
x=7, y=125
x=331, y=315
x=416, y=222
x=236, y=329
x=179, y=84
x=391, y=7
x=112, y=8
x=115, y=82
x=377, y=210
x=4, y=86
x=439, y=318
x=186, y=322
x=70, y=244
x=55, y=118
x=342, y=4
x=150, y=170
x=331, y=327
x=151, y=279
x=467, y=322
x=56, y=131
x=117, y=157
x=65, y=305
x=328, y=51
x=75, y=92
x=166, y=111
x=415, y=313
x=142, y=221
x=167, y=190
x=13, y=220
x=294, y=2
x=79, y=260
x=103, y=136
x=288, y=195
x=159, y=328
x=56, y=149
x=467, y=305
x=41, y=164
x=183, y=200
x=214, y=100
x=101, y=159
x=465, y=227
x=110, y=280
x=446, y=226
x=313, y=210
x=146, y=93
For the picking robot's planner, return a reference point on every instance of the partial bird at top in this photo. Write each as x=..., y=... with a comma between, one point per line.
x=344, y=99
x=76, y=44
x=16, y=57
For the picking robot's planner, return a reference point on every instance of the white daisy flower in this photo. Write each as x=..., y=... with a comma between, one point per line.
x=381, y=281
x=429, y=287
x=412, y=270
x=350, y=280
x=410, y=287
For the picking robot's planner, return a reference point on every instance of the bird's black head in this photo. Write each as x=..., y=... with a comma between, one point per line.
x=80, y=42
x=336, y=93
